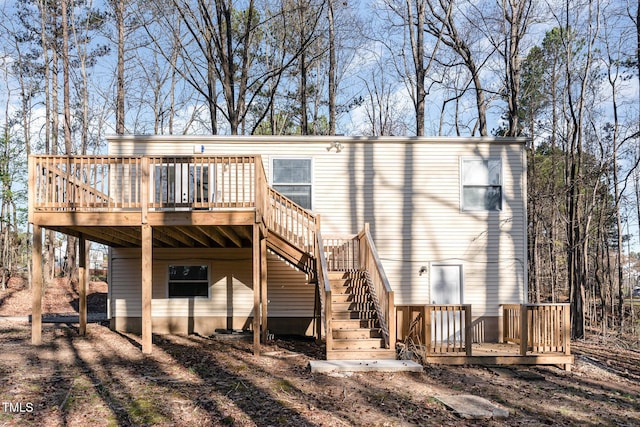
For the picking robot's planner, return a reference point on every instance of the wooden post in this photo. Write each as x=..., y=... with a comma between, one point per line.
x=147, y=283
x=426, y=324
x=256, y=290
x=501, y=324
x=524, y=329
x=319, y=278
x=566, y=333
x=468, y=329
x=145, y=189
x=391, y=321
x=263, y=287
x=36, y=287
x=82, y=284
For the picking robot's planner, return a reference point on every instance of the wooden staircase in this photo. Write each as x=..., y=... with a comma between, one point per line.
x=355, y=304
x=355, y=328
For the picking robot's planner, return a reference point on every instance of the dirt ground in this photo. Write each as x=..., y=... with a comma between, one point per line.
x=103, y=379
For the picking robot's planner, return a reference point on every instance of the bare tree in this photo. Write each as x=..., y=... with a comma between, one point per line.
x=383, y=110
x=441, y=23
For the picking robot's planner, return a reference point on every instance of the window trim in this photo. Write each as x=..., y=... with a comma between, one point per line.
x=462, y=186
x=311, y=165
x=189, y=262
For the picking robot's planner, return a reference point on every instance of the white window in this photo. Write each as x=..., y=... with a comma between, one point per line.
x=481, y=184
x=292, y=177
x=188, y=281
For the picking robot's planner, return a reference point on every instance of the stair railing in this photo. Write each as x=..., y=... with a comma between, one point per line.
x=291, y=221
x=324, y=287
x=380, y=288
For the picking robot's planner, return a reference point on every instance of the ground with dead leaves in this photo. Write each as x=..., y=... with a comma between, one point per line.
x=103, y=379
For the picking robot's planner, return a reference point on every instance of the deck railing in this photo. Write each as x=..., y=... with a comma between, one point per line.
x=202, y=182
x=95, y=183
x=324, y=289
x=83, y=183
x=440, y=328
x=546, y=326
x=381, y=291
x=342, y=252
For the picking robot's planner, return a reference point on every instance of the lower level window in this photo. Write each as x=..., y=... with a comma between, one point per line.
x=188, y=281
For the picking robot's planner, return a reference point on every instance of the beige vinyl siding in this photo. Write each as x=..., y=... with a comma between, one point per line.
x=231, y=291
x=410, y=194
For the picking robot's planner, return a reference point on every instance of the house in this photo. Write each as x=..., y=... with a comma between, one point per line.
x=334, y=236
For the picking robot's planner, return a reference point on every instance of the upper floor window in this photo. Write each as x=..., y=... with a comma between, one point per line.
x=292, y=177
x=481, y=184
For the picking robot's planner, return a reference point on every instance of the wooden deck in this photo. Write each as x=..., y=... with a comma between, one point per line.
x=500, y=354
x=443, y=334
x=166, y=201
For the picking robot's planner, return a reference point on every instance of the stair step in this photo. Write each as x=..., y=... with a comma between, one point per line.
x=352, y=306
x=381, y=354
x=358, y=343
x=357, y=333
x=337, y=297
x=347, y=315
x=354, y=323
x=336, y=275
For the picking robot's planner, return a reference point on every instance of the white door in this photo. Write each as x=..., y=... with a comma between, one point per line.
x=446, y=284
x=446, y=288
x=183, y=184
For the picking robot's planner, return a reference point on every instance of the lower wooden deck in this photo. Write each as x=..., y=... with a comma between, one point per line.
x=500, y=354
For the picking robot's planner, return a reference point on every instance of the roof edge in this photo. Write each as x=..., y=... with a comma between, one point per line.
x=288, y=139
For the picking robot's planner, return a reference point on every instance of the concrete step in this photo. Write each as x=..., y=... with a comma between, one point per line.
x=354, y=323
x=383, y=354
x=357, y=333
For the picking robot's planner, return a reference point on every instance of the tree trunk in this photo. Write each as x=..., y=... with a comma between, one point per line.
x=120, y=90
x=332, y=70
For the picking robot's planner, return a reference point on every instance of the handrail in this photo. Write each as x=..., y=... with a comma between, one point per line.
x=325, y=289
x=380, y=288
x=291, y=221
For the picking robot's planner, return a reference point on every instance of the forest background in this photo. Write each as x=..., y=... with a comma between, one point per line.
x=563, y=73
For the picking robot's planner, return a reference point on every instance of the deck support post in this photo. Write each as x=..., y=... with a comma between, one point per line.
x=256, y=289
x=36, y=287
x=82, y=285
x=263, y=287
x=147, y=283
